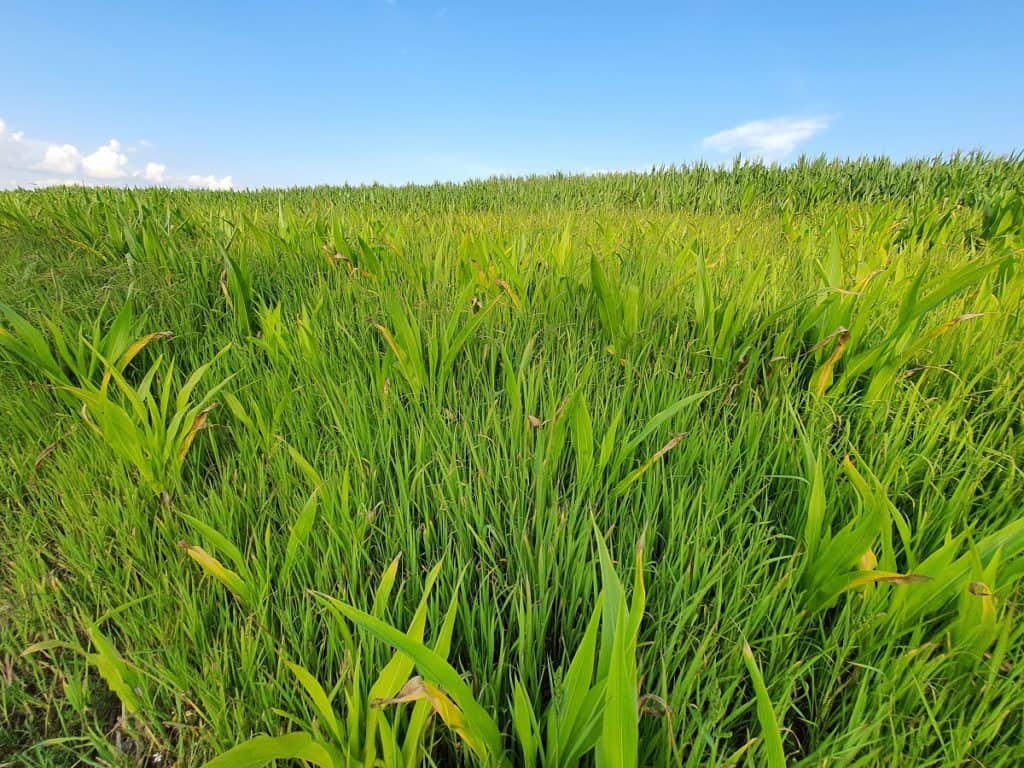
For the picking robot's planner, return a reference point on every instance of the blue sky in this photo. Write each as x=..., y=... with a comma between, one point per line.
x=277, y=94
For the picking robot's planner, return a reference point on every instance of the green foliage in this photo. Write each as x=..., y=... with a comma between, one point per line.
x=618, y=307
x=596, y=711
x=236, y=284
x=775, y=756
x=78, y=359
x=150, y=426
x=426, y=361
x=596, y=707
x=810, y=417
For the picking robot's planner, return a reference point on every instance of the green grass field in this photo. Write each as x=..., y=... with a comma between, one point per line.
x=692, y=467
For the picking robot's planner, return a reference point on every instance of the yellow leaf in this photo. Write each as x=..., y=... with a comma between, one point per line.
x=139, y=345
x=511, y=294
x=197, y=425
x=412, y=691
x=215, y=568
x=885, y=577
x=389, y=339
x=823, y=378
x=867, y=561
x=417, y=689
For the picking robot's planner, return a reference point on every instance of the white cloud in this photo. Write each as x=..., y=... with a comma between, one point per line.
x=211, y=182
x=36, y=163
x=155, y=172
x=107, y=162
x=768, y=139
x=64, y=158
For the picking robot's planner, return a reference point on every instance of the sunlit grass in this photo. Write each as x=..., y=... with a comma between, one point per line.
x=693, y=467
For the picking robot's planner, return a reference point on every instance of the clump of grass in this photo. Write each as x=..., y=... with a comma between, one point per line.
x=151, y=426
x=85, y=358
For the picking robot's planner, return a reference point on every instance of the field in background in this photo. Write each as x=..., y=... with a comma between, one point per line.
x=698, y=467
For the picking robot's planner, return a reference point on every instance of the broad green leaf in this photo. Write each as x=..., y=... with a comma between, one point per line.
x=319, y=698
x=433, y=668
x=113, y=669
x=261, y=750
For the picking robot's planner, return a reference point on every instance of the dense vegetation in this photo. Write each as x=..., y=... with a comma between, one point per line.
x=698, y=466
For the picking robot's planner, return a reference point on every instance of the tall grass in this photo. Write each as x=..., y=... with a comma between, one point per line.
x=692, y=467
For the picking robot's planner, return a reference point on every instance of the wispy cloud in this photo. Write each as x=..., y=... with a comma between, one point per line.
x=772, y=139
x=36, y=163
